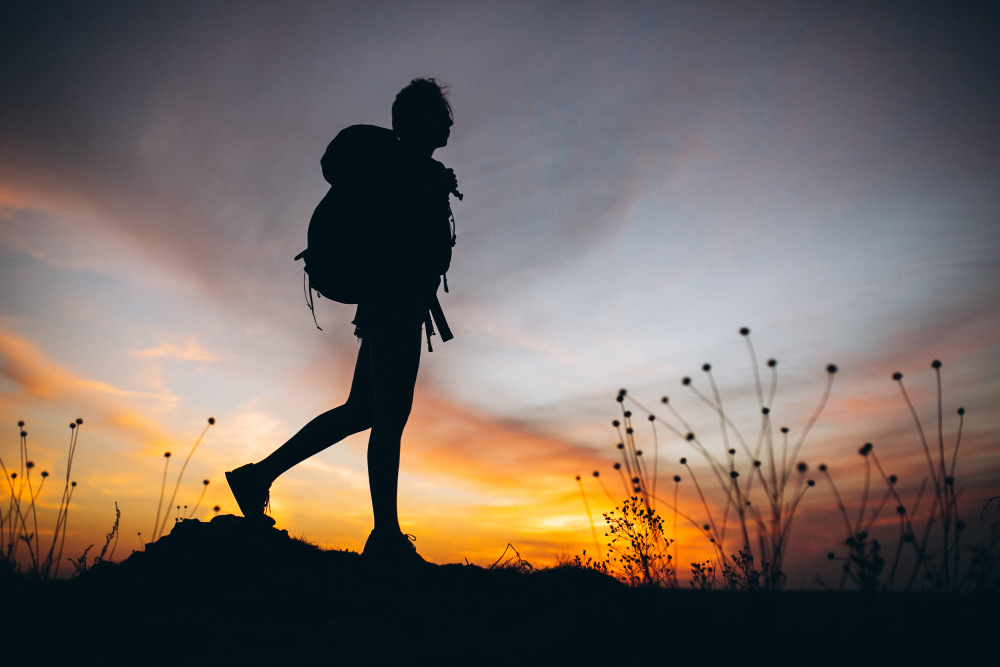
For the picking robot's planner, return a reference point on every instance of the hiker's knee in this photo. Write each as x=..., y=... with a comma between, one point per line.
x=392, y=418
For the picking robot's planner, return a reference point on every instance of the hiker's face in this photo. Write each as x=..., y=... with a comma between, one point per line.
x=433, y=127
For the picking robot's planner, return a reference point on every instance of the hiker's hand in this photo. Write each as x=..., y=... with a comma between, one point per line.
x=451, y=179
x=446, y=180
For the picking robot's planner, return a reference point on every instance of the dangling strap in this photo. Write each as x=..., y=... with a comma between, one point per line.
x=454, y=239
x=429, y=329
x=308, y=291
x=442, y=324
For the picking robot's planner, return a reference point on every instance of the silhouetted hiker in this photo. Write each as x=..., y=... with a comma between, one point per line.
x=401, y=194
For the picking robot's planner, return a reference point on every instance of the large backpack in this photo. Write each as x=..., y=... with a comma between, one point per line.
x=358, y=165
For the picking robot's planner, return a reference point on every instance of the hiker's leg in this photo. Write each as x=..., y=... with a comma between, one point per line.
x=330, y=427
x=395, y=357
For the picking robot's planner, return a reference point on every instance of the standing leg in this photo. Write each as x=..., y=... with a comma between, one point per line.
x=395, y=357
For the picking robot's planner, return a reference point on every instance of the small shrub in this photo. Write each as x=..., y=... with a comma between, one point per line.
x=638, y=548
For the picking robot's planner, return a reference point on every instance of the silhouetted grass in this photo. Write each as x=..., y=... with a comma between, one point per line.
x=19, y=526
x=14, y=523
x=771, y=462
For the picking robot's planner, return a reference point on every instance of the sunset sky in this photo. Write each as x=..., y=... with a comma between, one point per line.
x=641, y=180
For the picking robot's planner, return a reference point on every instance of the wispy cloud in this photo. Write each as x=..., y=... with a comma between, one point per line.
x=40, y=377
x=189, y=351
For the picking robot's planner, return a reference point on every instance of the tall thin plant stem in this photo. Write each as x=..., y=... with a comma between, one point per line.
x=180, y=476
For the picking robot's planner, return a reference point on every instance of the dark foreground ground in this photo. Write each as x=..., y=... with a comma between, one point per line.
x=221, y=593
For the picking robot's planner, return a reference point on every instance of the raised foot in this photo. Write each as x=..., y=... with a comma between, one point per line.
x=252, y=493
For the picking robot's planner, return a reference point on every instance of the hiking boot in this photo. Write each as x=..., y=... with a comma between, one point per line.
x=252, y=493
x=393, y=550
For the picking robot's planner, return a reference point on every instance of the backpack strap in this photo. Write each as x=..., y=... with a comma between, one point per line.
x=429, y=330
x=307, y=289
x=442, y=324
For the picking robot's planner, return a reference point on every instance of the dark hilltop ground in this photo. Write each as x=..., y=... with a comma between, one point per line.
x=227, y=593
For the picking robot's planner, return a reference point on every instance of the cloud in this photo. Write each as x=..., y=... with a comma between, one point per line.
x=40, y=377
x=493, y=455
x=190, y=351
x=124, y=412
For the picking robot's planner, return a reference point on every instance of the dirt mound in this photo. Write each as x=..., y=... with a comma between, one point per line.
x=228, y=592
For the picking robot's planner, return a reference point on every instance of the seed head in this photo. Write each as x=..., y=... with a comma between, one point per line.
x=621, y=445
x=638, y=452
x=629, y=430
x=79, y=421
x=45, y=473
x=72, y=484
x=690, y=436
x=830, y=556
x=784, y=429
x=949, y=481
x=811, y=482
x=20, y=424
x=618, y=466
x=24, y=434
x=866, y=449
x=205, y=482
x=706, y=367
x=772, y=363
x=578, y=478
x=211, y=421
x=166, y=455
x=72, y=425
x=664, y=400
x=686, y=381
x=935, y=364
x=732, y=451
x=677, y=478
x=13, y=475
x=822, y=467
x=628, y=413
x=635, y=480
x=616, y=423
x=744, y=331
x=897, y=376
x=29, y=465
x=802, y=467
x=756, y=464
x=652, y=418
x=831, y=369
x=734, y=474
x=216, y=508
x=900, y=510
x=765, y=411
x=893, y=479
x=597, y=474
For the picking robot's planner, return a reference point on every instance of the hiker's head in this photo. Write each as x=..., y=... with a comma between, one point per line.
x=421, y=114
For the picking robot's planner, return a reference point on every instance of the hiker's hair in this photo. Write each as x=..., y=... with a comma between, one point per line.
x=419, y=95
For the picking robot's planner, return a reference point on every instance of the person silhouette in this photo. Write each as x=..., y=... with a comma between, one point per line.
x=413, y=240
